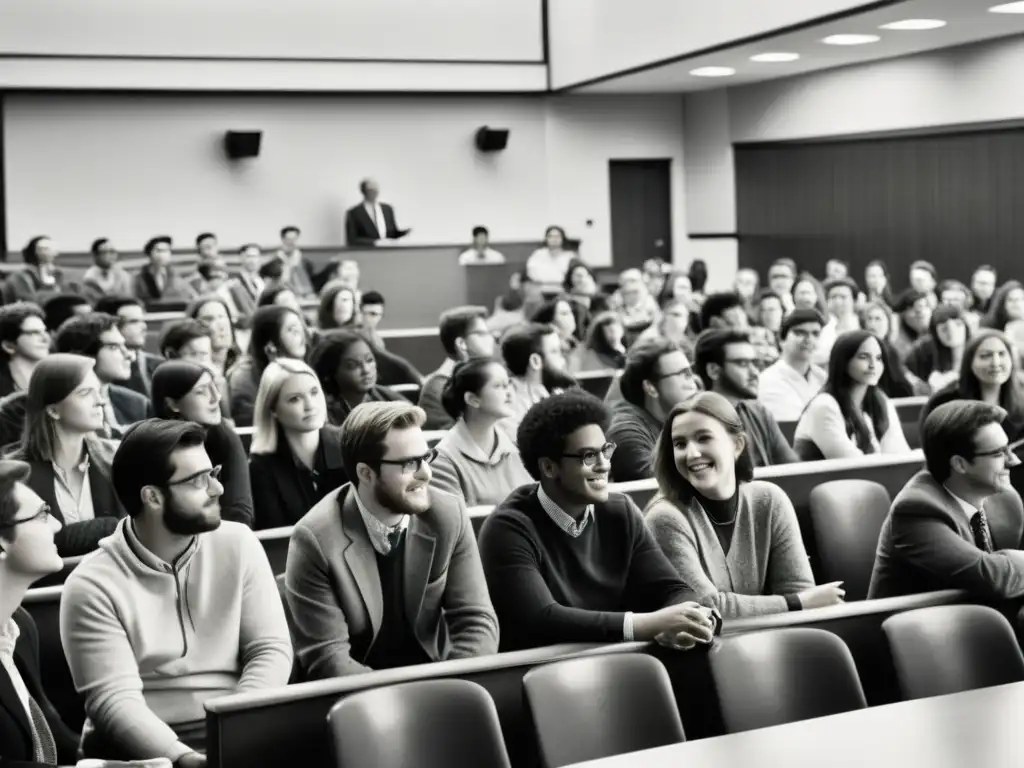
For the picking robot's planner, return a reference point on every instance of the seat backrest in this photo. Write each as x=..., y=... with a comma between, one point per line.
x=952, y=648
x=429, y=724
x=847, y=516
x=783, y=675
x=599, y=706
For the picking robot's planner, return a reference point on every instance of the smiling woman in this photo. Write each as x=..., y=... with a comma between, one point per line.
x=733, y=539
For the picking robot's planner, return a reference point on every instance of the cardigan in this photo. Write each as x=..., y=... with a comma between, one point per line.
x=766, y=558
x=821, y=432
x=463, y=469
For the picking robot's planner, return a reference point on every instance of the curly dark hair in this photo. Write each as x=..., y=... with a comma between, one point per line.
x=545, y=427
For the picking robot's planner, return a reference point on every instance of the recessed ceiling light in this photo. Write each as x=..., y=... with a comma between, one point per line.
x=1007, y=8
x=775, y=58
x=914, y=25
x=851, y=39
x=713, y=71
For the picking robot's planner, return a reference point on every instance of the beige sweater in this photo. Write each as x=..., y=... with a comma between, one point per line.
x=766, y=559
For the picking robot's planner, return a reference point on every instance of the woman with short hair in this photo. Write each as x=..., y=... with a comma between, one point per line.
x=735, y=540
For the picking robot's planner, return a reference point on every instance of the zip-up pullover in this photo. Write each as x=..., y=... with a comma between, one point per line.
x=149, y=642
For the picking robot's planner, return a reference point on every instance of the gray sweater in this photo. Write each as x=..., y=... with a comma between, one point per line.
x=766, y=559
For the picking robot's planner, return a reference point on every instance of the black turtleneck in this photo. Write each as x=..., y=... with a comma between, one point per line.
x=722, y=513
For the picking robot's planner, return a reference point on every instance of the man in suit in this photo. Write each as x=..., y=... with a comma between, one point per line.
x=97, y=335
x=245, y=289
x=958, y=524
x=32, y=734
x=385, y=572
x=131, y=321
x=371, y=222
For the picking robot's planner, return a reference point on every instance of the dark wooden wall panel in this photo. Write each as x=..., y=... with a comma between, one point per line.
x=956, y=200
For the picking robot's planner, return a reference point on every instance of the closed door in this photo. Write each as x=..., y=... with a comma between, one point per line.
x=641, y=199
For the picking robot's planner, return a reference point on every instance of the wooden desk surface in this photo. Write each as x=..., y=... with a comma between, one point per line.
x=976, y=729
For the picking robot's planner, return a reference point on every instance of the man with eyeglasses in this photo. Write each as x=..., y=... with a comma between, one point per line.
x=786, y=386
x=464, y=334
x=24, y=341
x=176, y=608
x=569, y=562
x=958, y=523
x=384, y=572
x=32, y=734
x=131, y=318
x=656, y=378
x=97, y=335
x=727, y=364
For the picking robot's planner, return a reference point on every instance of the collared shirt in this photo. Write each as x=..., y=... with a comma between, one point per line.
x=969, y=509
x=575, y=529
x=376, y=214
x=309, y=479
x=486, y=256
x=72, y=509
x=9, y=633
x=377, y=531
x=112, y=425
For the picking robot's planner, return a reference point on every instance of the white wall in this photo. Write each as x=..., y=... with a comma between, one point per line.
x=473, y=30
x=130, y=167
x=710, y=172
x=975, y=84
x=590, y=38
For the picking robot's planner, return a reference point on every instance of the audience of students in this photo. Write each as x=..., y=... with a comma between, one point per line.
x=604, y=348
x=734, y=540
x=188, y=391
x=384, y=572
x=295, y=457
x=566, y=560
x=173, y=582
x=464, y=335
x=337, y=307
x=936, y=357
x=131, y=321
x=476, y=459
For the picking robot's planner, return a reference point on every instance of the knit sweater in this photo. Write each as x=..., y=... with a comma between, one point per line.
x=148, y=642
x=548, y=587
x=766, y=558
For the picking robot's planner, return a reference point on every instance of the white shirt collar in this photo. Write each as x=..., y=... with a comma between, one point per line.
x=562, y=519
x=969, y=509
x=377, y=531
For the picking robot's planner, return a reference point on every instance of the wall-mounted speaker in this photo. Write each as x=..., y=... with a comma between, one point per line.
x=491, y=139
x=239, y=144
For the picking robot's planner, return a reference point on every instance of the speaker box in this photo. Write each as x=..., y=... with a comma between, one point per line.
x=491, y=139
x=239, y=144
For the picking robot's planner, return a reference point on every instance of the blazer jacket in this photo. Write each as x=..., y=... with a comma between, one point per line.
x=927, y=544
x=143, y=367
x=15, y=731
x=129, y=406
x=333, y=587
x=175, y=288
x=277, y=496
x=82, y=537
x=360, y=229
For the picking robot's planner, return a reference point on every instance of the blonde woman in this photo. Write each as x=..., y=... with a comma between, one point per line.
x=295, y=457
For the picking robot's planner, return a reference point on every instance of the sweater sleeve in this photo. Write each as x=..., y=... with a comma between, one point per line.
x=265, y=644
x=430, y=401
x=653, y=582
x=321, y=630
x=106, y=674
x=789, y=568
x=823, y=424
x=468, y=612
x=778, y=448
x=237, y=502
x=676, y=537
x=525, y=606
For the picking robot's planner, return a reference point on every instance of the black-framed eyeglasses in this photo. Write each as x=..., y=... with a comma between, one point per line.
x=686, y=373
x=200, y=480
x=589, y=457
x=37, y=332
x=1007, y=453
x=410, y=465
x=43, y=513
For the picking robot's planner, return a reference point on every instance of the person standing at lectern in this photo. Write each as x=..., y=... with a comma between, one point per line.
x=372, y=221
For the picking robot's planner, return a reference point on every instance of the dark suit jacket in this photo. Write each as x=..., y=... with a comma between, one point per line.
x=360, y=229
x=83, y=537
x=277, y=496
x=333, y=586
x=143, y=366
x=244, y=294
x=15, y=730
x=926, y=544
x=6, y=380
x=175, y=288
x=129, y=406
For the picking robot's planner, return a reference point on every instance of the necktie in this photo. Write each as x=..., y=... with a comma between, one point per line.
x=982, y=534
x=394, y=539
x=42, y=738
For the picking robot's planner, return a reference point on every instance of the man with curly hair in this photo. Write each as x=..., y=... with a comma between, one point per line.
x=568, y=561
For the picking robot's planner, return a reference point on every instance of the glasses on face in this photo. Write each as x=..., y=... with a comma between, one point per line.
x=43, y=513
x=589, y=456
x=1006, y=453
x=39, y=333
x=686, y=373
x=411, y=464
x=200, y=480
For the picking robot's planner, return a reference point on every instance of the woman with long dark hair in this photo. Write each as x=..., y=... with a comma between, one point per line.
x=215, y=315
x=936, y=358
x=1007, y=306
x=188, y=391
x=604, y=348
x=735, y=540
x=851, y=416
x=338, y=308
